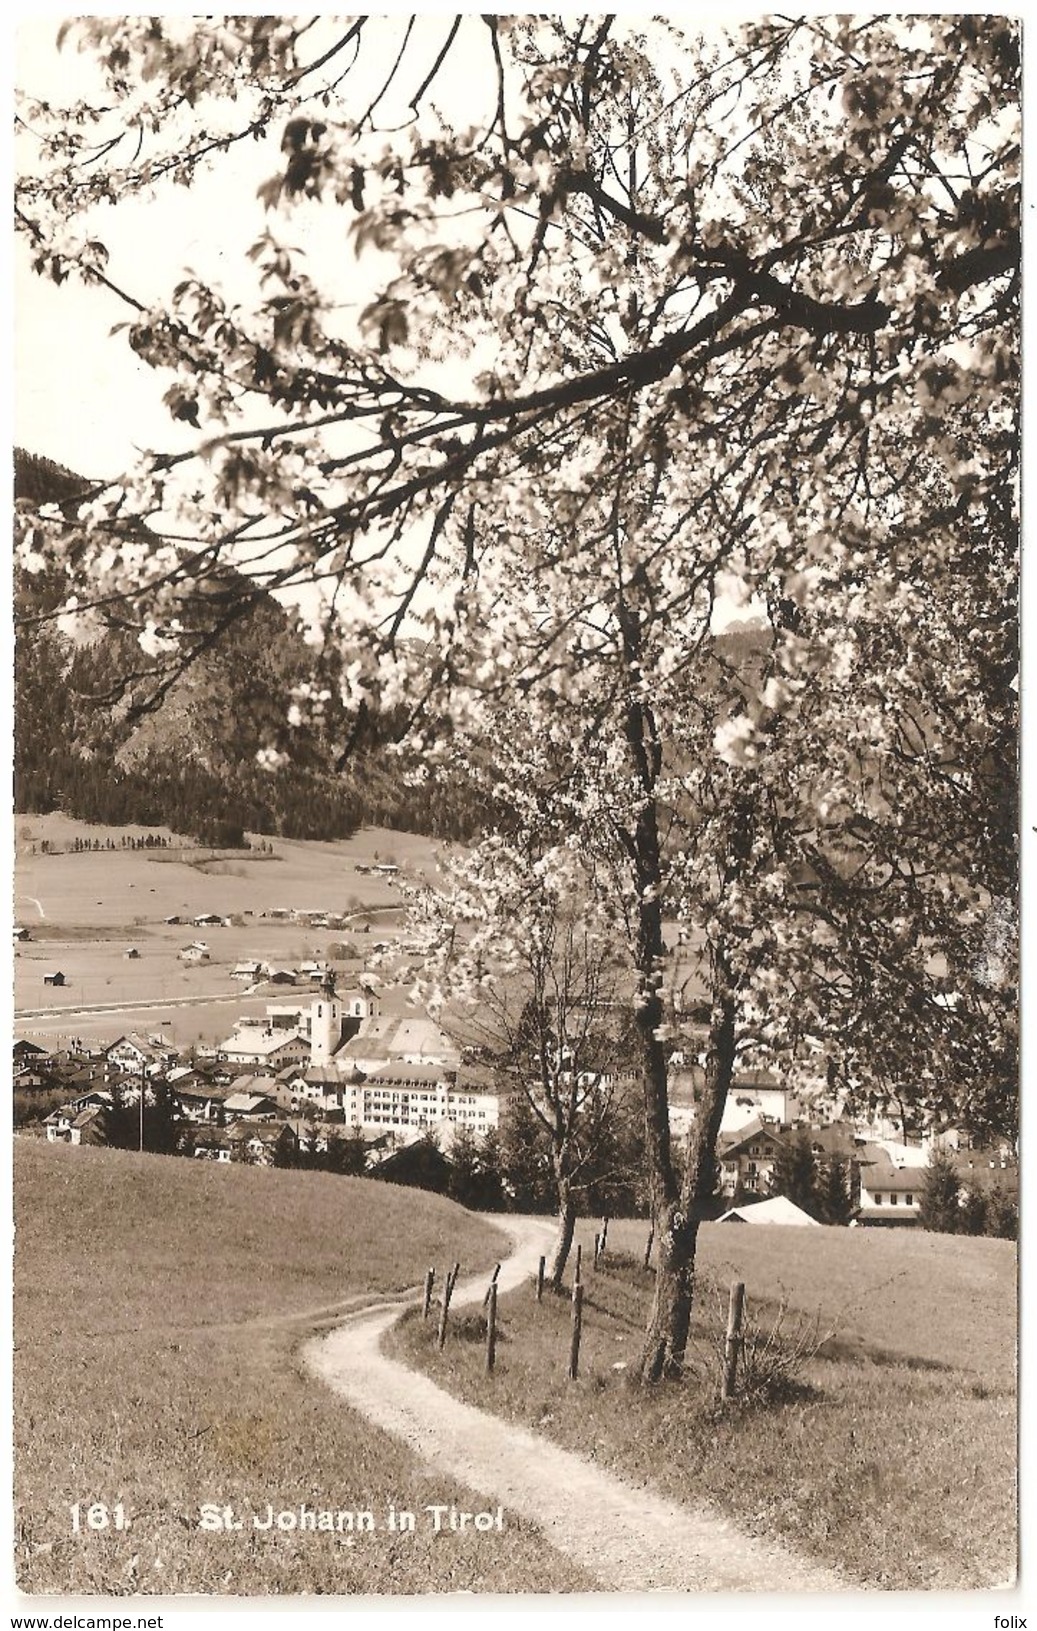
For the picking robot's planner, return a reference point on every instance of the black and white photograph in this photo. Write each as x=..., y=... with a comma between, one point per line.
x=516, y=787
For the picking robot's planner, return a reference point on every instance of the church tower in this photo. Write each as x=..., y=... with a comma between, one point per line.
x=325, y=1023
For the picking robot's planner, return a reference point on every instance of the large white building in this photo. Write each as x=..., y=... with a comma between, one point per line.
x=419, y=1097
x=408, y=1099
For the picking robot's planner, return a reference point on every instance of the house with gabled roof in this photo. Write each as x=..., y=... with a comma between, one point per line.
x=246, y=1106
x=197, y=1100
x=748, y=1156
x=134, y=1052
x=320, y=1085
x=25, y=1052
x=31, y=1078
x=891, y=1191
x=273, y=1049
x=95, y=1096
x=776, y=1210
x=250, y=970
x=261, y=1144
x=75, y=1124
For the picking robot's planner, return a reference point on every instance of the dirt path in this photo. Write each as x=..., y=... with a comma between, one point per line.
x=630, y=1539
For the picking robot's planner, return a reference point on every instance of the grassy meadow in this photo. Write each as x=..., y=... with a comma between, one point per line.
x=892, y=1452
x=159, y=1309
x=85, y=910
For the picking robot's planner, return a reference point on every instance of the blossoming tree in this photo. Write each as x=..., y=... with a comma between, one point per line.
x=655, y=327
x=518, y=933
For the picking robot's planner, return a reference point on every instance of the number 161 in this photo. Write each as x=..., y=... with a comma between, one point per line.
x=97, y=1516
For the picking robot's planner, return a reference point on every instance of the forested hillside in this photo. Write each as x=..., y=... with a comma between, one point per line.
x=192, y=762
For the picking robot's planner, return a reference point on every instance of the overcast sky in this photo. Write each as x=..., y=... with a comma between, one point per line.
x=82, y=397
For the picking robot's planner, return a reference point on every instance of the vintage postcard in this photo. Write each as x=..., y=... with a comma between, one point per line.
x=515, y=840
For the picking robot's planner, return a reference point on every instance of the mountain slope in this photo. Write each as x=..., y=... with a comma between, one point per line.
x=81, y=744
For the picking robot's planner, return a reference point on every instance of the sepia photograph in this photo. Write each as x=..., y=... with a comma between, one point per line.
x=515, y=623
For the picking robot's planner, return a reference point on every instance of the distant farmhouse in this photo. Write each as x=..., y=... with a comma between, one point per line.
x=250, y=970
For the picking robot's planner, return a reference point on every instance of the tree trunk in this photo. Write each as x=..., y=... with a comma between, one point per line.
x=669, y=1320
x=700, y=1173
x=676, y=1220
x=667, y=1333
x=566, y=1230
x=675, y=1208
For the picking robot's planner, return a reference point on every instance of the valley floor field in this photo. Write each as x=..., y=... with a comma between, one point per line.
x=86, y=910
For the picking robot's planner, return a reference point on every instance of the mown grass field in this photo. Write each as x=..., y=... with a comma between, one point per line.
x=894, y=1456
x=85, y=910
x=159, y=1308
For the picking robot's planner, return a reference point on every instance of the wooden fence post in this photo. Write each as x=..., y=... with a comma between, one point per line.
x=448, y=1291
x=541, y=1266
x=430, y=1280
x=492, y=1286
x=491, y=1326
x=577, y=1326
x=579, y=1256
x=443, y=1308
x=604, y=1235
x=648, y=1248
x=597, y=1250
x=733, y=1339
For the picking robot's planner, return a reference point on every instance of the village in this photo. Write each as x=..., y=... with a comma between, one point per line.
x=365, y=1067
